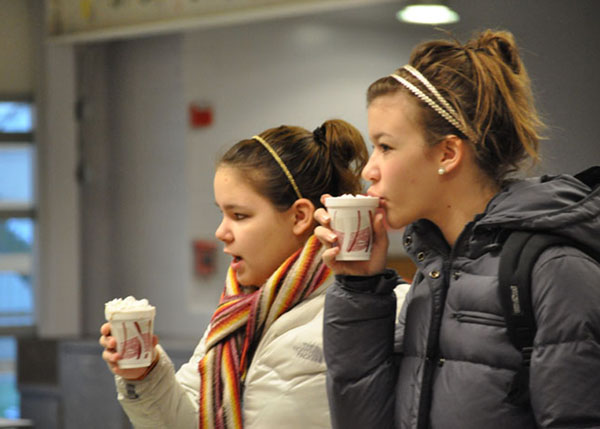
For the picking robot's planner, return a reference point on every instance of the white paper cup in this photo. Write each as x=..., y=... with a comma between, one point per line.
x=133, y=329
x=352, y=222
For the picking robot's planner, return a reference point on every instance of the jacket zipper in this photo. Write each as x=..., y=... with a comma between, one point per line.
x=432, y=351
x=432, y=357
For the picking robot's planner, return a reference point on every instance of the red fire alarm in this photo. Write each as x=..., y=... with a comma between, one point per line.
x=205, y=257
x=200, y=115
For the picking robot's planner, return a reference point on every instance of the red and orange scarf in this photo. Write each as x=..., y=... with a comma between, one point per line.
x=237, y=326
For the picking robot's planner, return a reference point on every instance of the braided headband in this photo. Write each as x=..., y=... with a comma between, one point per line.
x=280, y=162
x=446, y=111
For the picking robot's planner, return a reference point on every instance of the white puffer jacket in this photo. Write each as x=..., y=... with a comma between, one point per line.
x=284, y=388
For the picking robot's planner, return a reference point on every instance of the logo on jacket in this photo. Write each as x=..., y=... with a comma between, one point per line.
x=309, y=351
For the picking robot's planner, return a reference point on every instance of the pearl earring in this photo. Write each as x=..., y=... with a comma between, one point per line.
x=441, y=171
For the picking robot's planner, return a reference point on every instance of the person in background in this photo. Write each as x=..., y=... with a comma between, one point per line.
x=260, y=362
x=452, y=132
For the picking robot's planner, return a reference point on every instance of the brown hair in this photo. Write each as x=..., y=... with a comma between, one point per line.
x=485, y=81
x=328, y=160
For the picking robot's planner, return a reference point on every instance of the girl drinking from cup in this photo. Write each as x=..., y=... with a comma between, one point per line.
x=449, y=130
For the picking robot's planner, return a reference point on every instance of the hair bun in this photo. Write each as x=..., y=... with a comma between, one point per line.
x=347, y=153
x=500, y=44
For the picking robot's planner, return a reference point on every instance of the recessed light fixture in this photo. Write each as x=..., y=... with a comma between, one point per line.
x=427, y=12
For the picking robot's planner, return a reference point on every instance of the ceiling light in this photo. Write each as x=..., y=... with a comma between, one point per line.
x=427, y=12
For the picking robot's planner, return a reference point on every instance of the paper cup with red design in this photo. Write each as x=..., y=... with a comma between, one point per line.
x=132, y=326
x=352, y=221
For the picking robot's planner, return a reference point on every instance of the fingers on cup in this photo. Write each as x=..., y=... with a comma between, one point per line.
x=111, y=357
x=323, y=197
x=329, y=255
x=105, y=329
x=326, y=236
x=322, y=216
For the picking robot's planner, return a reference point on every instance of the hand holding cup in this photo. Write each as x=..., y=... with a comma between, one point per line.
x=353, y=228
x=128, y=337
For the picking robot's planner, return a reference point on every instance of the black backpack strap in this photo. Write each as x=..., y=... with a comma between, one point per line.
x=590, y=177
x=519, y=253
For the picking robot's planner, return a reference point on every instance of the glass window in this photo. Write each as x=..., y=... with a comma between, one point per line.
x=16, y=292
x=16, y=175
x=17, y=237
x=16, y=117
x=9, y=395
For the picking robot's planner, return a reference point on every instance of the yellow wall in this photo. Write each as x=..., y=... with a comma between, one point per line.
x=17, y=53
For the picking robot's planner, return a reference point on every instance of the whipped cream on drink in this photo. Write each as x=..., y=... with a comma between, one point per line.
x=349, y=200
x=352, y=196
x=127, y=305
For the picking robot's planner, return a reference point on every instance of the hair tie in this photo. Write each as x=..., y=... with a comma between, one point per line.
x=280, y=162
x=319, y=135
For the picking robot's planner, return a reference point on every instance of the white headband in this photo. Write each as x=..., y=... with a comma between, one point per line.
x=446, y=111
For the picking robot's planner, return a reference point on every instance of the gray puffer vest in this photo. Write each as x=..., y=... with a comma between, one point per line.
x=447, y=362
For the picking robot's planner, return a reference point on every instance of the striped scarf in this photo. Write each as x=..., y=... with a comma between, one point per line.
x=237, y=326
